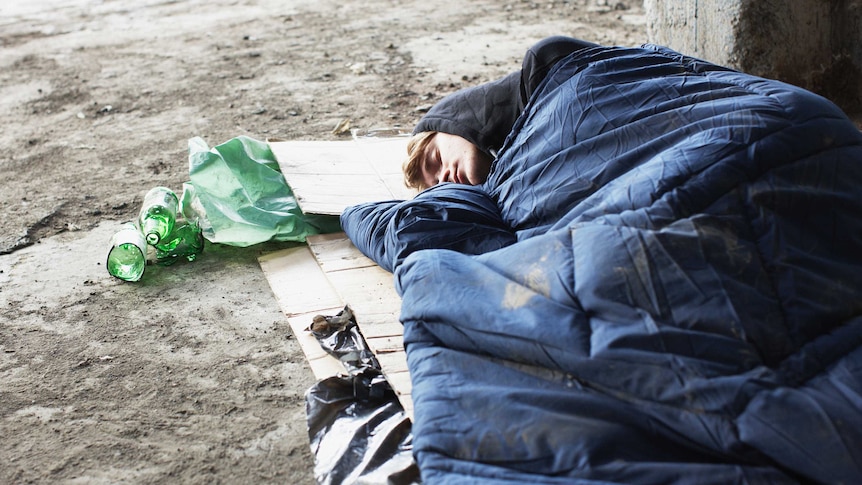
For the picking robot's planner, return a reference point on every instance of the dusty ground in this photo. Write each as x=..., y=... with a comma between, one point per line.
x=191, y=375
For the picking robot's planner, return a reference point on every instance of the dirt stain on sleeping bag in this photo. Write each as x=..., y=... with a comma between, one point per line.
x=517, y=294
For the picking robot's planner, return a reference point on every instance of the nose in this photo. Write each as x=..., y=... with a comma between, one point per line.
x=445, y=174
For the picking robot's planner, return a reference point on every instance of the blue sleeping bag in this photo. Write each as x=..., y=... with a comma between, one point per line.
x=660, y=282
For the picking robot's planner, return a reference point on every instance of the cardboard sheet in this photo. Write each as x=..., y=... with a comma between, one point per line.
x=319, y=279
x=329, y=272
x=327, y=176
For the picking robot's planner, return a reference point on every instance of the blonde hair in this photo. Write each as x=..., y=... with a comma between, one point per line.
x=412, y=166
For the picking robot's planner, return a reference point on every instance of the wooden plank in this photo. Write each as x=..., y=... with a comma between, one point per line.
x=387, y=344
x=370, y=292
x=316, y=280
x=310, y=156
x=386, y=155
x=303, y=291
x=391, y=354
x=300, y=286
x=330, y=194
x=400, y=382
x=387, y=325
x=335, y=252
x=328, y=176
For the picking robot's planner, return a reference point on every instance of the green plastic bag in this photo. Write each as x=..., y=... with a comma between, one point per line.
x=239, y=196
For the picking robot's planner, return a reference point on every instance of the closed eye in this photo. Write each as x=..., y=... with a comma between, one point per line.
x=432, y=166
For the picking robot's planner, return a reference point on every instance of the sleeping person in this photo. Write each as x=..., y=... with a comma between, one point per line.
x=647, y=269
x=458, y=138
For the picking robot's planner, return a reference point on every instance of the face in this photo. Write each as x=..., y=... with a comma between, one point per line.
x=451, y=158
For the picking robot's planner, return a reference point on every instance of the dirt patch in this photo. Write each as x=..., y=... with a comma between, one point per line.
x=192, y=375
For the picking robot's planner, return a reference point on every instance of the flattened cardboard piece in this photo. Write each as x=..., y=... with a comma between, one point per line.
x=328, y=176
x=319, y=279
x=303, y=291
x=369, y=290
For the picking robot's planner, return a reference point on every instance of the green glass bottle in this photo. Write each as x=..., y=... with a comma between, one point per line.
x=185, y=241
x=127, y=255
x=158, y=214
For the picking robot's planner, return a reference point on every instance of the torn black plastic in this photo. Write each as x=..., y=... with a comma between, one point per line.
x=358, y=430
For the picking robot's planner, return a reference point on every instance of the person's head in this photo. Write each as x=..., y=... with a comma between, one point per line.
x=434, y=157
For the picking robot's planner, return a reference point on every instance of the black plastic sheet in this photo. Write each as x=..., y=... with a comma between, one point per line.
x=358, y=430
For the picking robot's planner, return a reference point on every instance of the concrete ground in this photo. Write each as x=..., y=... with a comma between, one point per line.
x=192, y=375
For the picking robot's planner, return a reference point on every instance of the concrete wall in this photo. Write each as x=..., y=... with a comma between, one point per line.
x=816, y=44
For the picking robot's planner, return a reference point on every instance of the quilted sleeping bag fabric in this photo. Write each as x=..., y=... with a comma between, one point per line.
x=683, y=301
x=462, y=218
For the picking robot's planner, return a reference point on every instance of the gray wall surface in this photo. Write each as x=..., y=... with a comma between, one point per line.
x=816, y=44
